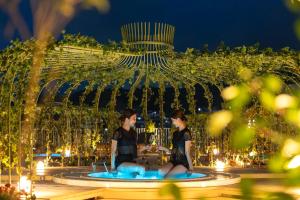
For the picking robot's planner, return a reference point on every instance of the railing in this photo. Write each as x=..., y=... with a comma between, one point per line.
x=161, y=136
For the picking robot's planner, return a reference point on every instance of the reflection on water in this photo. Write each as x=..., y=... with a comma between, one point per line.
x=149, y=175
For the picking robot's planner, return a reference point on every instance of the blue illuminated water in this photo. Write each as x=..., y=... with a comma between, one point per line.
x=149, y=175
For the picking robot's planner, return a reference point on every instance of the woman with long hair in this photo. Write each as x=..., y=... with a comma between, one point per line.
x=180, y=161
x=124, y=146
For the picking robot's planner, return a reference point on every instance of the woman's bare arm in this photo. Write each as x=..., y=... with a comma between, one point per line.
x=188, y=145
x=113, y=153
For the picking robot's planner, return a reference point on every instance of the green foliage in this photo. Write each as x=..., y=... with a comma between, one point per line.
x=276, y=163
x=275, y=106
x=279, y=196
x=247, y=189
x=242, y=137
x=79, y=40
x=241, y=99
x=171, y=189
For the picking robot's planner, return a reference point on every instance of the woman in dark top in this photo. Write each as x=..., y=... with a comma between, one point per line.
x=124, y=146
x=180, y=161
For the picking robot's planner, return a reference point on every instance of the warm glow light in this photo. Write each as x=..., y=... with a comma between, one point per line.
x=219, y=166
x=290, y=148
x=295, y=191
x=24, y=184
x=252, y=153
x=151, y=127
x=239, y=161
x=67, y=153
x=216, y=151
x=249, y=123
x=284, y=101
x=154, y=143
x=294, y=163
x=230, y=92
x=40, y=168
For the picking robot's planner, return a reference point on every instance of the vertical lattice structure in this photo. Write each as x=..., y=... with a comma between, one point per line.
x=148, y=37
x=150, y=40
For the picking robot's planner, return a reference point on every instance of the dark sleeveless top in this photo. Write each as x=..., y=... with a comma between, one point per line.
x=126, y=145
x=178, y=156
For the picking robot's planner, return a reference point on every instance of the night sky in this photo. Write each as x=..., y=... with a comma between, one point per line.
x=197, y=22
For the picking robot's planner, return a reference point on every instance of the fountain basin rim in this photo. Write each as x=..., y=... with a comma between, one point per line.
x=141, y=183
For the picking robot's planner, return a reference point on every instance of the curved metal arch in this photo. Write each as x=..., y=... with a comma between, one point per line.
x=161, y=91
x=164, y=65
x=89, y=85
x=287, y=72
x=192, y=96
x=124, y=79
x=133, y=88
x=287, y=78
x=44, y=87
x=54, y=92
x=167, y=67
x=98, y=95
x=67, y=97
x=99, y=92
x=165, y=70
x=115, y=91
x=87, y=89
x=207, y=95
x=175, y=86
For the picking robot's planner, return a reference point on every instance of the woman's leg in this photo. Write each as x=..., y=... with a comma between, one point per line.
x=165, y=169
x=128, y=167
x=178, y=169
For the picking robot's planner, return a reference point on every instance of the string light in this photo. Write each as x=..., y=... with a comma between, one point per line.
x=216, y=151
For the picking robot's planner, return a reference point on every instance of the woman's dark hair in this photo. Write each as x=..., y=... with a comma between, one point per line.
x=127, y=113
x=178, y=114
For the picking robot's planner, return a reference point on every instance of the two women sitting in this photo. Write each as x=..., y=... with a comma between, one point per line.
x=124, y=147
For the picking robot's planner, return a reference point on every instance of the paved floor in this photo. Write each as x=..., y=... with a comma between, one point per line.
x=58, y=192
x=50, y=190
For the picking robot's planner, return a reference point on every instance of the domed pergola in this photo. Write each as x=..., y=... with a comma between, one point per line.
x=146, y=59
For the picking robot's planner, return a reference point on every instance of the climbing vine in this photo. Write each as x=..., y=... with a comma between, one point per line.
x=77, y=60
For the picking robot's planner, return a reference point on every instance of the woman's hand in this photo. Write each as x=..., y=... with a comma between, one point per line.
x=161, y=148
x=145, y=148
x=114, y=172
x=148, y=147
x=189, y=172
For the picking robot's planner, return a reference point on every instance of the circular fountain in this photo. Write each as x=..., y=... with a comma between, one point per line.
x=151, y=179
